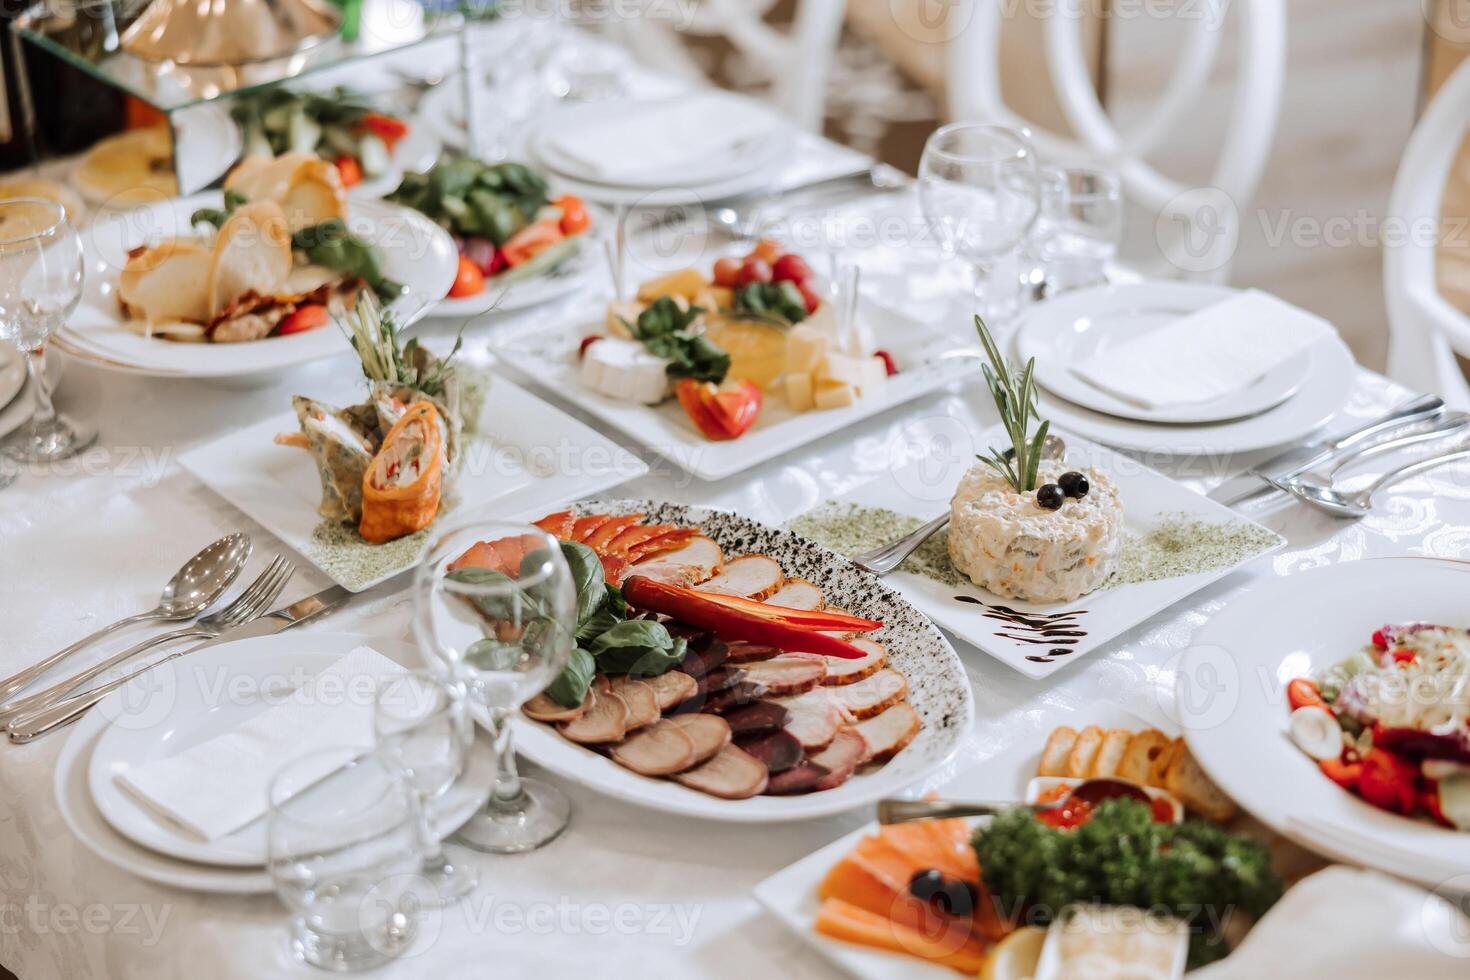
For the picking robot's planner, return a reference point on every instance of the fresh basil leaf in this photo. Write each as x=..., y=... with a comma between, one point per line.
x=641, y=647
x=587, y=577
x=779, y=299
x=493, y=655
x=570, y=686
x=511, y=604
x=330, y=244
x=701, y=359
x=612, y=611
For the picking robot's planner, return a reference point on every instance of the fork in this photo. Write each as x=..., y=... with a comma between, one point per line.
x=248, y=605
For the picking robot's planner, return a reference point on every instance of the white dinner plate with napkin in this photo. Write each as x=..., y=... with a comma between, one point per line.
x=1175, y=353
x=185, y=770
x=12, y=374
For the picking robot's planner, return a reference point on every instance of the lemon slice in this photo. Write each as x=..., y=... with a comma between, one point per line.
x=757, y=350
x=1015, y=957
x=133, y=167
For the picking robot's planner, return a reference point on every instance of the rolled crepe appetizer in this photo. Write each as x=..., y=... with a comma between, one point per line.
x=400, y=491
x=341, y=442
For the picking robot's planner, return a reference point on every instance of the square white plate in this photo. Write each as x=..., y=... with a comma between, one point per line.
x=547, y=357
x=1148, y=497
x=527, y=458
x=791, y=893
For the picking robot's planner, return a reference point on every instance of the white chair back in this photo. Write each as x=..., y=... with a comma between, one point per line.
x=1198, y=226
x=795, y=62
x=1425, y=330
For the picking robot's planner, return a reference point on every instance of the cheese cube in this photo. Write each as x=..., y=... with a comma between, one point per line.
x=875, y=376
x=834, y=394
x=805, y=349
x=712, y=299
x=841, y=368
x=799, y=391
x=685, y=283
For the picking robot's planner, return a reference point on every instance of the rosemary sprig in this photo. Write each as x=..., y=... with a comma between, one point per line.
x=1015, y=399
x=373, y=333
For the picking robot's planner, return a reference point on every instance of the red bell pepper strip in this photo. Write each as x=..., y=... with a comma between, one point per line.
x=730, y=622
x=1304, y=693
x=811, y=618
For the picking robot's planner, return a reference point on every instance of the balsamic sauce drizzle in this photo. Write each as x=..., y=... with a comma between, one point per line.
x=1056, y=630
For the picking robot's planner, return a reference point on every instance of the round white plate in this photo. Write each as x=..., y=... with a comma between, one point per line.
x=1330, y=374
x=1231, y=689
x=416, y=252
x=938, y=687
x=1075, y=326
x=12, y=375
x=261, y=668
x=415, y=153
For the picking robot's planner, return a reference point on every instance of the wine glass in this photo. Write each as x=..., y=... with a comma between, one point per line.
x=979, y=194
x=41, y=275
x=423, y=733
x=342, y=852
x=495, y=601
x=1078, y=231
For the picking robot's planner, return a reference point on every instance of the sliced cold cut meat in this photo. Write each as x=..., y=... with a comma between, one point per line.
x=742, y=652
x=752, y=576
x=704, y=658
x=841, y=758
x=786, y=675
x=871, y=695
x=798, y=593
x=709, y=732
x=731, y=775
x=757, y=717
x=672, y=687
x=642, y=702
x=543, y=708
x=887, y=733
x=800, y=778
x=731, y=698
x=840, y=671
x=605, y=720
x=661, y=749
x=779, y=750
x=815, y=717
x=695, y=562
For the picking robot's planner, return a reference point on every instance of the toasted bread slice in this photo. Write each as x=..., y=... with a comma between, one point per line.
x=252, y=253
x=1089, y=743
x=1141, y=755
x=1114, y=743
x=1054, y=754
x=260, y=178
x=1187, y=781
x=314, y=194
x=167, y=282
x=1163, y=761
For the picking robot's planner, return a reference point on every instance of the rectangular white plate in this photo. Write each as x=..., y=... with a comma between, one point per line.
x=791, y=893
x=547, y=357
x=923, y=489
x=527, y=458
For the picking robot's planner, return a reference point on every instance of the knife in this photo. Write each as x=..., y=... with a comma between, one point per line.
x=1294, y=462
x=25, y=727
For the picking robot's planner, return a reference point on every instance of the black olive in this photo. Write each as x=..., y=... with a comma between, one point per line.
x=1074, y=484
x=956, y=898
x=925, y=884
x=1050, y=496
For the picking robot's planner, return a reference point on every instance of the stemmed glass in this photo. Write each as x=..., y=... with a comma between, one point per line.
x=1078, y=231
x=978, y=191
x=423, y=733
x=41, y=273
x=496, y=601
x=342, y=852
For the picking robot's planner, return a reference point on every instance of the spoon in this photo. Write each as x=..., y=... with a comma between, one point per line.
x=1359, y=503
x=1090, y=791
x=194, y=587
x=884, y=559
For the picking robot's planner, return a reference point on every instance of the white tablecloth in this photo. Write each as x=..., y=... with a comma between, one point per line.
x=626, y=891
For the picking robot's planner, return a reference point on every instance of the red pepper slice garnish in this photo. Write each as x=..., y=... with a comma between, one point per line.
x=730, y=622
x=811, y=618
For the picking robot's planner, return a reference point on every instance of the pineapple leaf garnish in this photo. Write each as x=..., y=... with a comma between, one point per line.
x=1015, y=399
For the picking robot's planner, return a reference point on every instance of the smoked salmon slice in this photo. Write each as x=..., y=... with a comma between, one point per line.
x=845, y=921
x=599, y=539
x=583, y=527
x=671, y=540
x=558, y=525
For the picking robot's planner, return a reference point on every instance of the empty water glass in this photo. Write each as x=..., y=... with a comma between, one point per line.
x=343, y=853
x=424, y=733
x=1077, y=233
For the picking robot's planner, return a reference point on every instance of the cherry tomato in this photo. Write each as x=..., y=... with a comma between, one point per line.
x=754, y=270
x=888, y=365
x=1304, y=693
x=468, y=279
x=727, y=272
x=308, y=316
x=1389, y=781
x=810, y=296
x=497, y=263
x=349, y=169
x=386, y=128
x=791, y=268
x=766, y=250
x=587, y=342
x=574, y=219
x=531, y=241
x=1344, y=774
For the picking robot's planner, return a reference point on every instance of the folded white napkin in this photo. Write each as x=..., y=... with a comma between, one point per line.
x=1352, y=925
x=221, y=785
x=659, y=137
x=1217, y=351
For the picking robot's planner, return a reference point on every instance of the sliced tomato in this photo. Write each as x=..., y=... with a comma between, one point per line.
x=720, y=412
x=696, y=404
x=1344, y=774
x=531, y=241
x=1304, y=693
x=1389, y=781
x=468, y=279
x=307, y=316
x=349, y=169
x=574, y=218
x=386, y=128
x=1403, y=656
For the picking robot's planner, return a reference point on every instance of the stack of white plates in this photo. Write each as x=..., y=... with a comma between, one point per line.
x=1280, y=407
x=180, y=704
